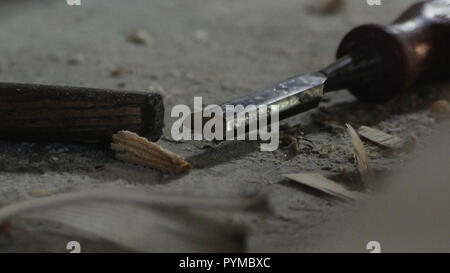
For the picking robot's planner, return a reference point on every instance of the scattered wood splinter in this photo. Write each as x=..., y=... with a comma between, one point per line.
x=440, y=109
x=130, y=147
x=362, y=157
x=381, y=138
x=327, y=6
x=321, y=183
x=5, y=227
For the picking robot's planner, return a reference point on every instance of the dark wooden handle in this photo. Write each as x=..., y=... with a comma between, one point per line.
x=74, y=114
x=416, y=45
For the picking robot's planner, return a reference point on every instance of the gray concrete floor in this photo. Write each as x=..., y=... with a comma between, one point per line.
x=211, y=48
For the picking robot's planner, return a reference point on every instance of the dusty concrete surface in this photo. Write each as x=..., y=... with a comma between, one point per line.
x=216, y=49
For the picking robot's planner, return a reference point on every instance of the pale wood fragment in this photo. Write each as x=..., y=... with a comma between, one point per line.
x=130, y=147
x=321, y=183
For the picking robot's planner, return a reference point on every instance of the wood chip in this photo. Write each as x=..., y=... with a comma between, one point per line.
x=42, y=193
x=362, y=157
x=290, y=142
x=115, y=73
x=5, y=227
x=130, y=147
x=327, y=6
x=140, y=37
x=321, y=183
x=440, y=108
x=76, y=60
x=381, y=138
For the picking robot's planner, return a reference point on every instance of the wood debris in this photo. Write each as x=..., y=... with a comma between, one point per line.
x=76, y=60
x=289, y=142
x=362, y=157
x=325, y=150
x=140, y=37
x=132, y=148
x=381, y=138
x=115, y=73
x=292, y=138
x=42, y=193
x=440, y=109
x=201, y=35
x=5, y=227
x=155, y=87
x=321, y=183
x=327, y=6
x=146, y=221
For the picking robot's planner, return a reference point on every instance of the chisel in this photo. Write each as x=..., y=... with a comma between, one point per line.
x=374, y=62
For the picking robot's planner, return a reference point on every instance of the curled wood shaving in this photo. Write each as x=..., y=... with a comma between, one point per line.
x=362, y=157
x=130, y=147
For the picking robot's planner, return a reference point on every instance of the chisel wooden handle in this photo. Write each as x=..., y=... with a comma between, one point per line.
x=75, y=114
x=416, y=45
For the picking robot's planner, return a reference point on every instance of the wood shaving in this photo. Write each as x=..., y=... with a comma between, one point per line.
x=327, y=6
x=132, y=148
x=76, y=60
x=362, y=157
x=115, y=73
x=381, y=138
x=140, y=37
x=321, y=183
x=290, y=142
x=42, y=193
x=5, y=227
x=440, y=109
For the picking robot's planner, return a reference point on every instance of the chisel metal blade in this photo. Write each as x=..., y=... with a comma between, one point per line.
x=290, y=97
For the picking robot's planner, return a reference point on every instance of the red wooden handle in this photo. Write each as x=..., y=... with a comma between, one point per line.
x=416, y=45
